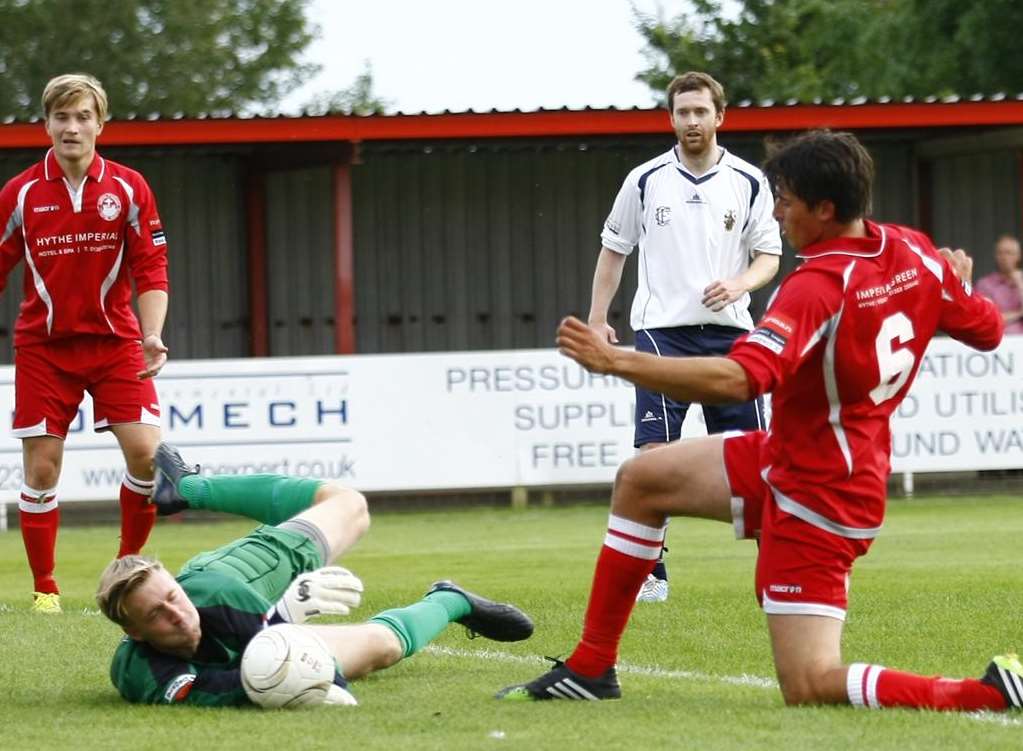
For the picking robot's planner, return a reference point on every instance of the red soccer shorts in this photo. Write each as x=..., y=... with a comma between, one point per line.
x=801, y=569
x=51, y=379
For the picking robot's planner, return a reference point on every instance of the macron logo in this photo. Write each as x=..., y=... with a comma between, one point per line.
x=783, y=323
x=45, y=209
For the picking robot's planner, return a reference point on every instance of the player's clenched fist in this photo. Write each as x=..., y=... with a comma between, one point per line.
x=961, y=263
x=331, y=590
x=587, y=347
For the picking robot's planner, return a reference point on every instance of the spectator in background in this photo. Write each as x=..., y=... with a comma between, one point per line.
x=1005, y=286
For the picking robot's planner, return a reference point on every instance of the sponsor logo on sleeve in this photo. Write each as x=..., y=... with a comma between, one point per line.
x=779, y=322
x=773, y=332
x=768, y=338
x=178, y=688
x=613, y=227
x=159, y=238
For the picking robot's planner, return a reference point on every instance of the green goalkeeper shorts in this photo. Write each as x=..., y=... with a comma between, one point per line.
x=268, y=560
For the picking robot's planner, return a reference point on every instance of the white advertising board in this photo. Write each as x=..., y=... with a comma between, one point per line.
x=466, y=420
x=377, y=422
x=964, y=412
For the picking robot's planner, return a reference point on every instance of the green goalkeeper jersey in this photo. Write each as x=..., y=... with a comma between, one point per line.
x=234, y=589
x=230, y=614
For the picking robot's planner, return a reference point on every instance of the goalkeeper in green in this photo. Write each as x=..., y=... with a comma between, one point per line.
x=185, y=635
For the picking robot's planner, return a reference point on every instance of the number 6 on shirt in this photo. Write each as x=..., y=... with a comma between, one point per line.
x=893, y=363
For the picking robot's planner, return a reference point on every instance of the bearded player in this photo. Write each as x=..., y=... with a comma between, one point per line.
x=701, y=219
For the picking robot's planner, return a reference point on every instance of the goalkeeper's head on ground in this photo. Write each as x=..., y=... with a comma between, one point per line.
x=140, y=595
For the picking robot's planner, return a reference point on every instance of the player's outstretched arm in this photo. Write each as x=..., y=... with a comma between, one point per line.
x=707, y=380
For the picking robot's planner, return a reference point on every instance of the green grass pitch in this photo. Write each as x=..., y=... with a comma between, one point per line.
x=938, y=593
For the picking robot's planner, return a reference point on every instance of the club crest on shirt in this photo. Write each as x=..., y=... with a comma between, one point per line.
x=662, y=215
x=729, y=220
x=109, y=206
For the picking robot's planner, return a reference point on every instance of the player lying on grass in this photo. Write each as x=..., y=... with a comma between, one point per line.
x=838, y=349
x=185, y=636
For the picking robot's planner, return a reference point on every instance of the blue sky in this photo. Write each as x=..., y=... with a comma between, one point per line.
x=432, y=55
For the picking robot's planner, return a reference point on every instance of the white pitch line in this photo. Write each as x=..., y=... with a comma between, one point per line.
x=735, y=680
x=995, y=718
x=688, y=675
x=651, y=671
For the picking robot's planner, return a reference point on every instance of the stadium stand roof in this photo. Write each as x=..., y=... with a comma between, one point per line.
x=855, y=114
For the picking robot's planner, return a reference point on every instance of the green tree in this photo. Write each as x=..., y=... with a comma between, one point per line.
x=156, y=56
x=967, y=47
x=357, y=99
x=826, y=49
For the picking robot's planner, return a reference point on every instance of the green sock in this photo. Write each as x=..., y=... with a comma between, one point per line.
x=269, y=499
x=419, y=624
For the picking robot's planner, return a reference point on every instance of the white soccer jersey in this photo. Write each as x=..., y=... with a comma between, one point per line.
x=691, y=231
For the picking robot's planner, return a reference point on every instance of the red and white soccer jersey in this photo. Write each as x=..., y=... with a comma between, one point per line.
x=838, y=348
x=82, y=249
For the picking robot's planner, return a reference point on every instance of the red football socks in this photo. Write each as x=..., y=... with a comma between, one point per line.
x=629, y=553
x=874, y=686
x=40, y=517
x=138, y=515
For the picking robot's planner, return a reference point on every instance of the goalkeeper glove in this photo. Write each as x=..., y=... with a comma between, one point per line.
x=331, y=590
x=339, y=696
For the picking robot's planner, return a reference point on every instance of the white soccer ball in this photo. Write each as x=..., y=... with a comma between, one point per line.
x=287, y=666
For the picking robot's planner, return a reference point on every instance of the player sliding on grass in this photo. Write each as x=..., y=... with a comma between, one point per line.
x=838, y=349
x=185, y=635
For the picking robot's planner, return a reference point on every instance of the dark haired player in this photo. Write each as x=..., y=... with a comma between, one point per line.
x=838, y=349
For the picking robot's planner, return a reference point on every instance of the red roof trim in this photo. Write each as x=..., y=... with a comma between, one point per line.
x=523, y=124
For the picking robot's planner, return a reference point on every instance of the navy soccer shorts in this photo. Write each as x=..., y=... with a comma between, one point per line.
x=658, y=417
